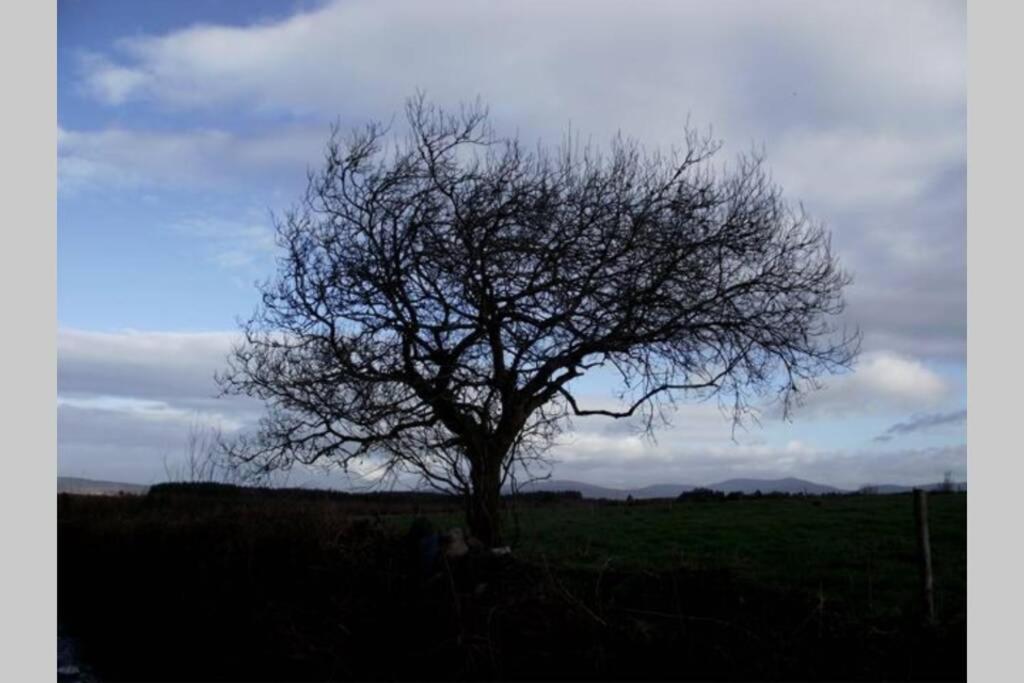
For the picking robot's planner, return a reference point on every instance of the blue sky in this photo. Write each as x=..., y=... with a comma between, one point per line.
x=183, y=125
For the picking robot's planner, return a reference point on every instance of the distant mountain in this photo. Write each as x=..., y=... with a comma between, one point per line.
x=97, y=487
x=787, y=485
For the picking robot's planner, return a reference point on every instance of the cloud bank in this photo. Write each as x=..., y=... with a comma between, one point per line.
x=861, y=109
x=127, y=401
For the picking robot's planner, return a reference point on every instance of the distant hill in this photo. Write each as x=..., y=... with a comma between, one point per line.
x=97, y=487
x=786, y=485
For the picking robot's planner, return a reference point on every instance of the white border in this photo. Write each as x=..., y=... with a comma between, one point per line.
x=27, y=509
x=994, y=253
x=28, y=512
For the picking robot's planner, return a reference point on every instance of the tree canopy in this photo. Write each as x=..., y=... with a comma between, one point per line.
x=439, y=292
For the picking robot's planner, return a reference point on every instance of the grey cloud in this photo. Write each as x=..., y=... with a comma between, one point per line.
x=105, y=427
x=909, y=260
x=905, y=466
x=133, y=446
x=127, y=401
x=117, y=445
x=922, y=422
x=172, y=368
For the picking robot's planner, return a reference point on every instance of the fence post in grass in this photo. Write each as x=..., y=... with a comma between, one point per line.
x=924, y=552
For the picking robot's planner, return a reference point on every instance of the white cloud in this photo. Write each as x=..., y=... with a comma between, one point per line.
x=881, y=383
x=866, y=55
x=583, y=445
x=109, y=81
x=152, y=411
x=233, y=244
x=125, y=158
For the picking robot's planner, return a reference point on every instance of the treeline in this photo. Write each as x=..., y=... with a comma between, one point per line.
x=215, y=490
x=706, y=494
x=219, y=490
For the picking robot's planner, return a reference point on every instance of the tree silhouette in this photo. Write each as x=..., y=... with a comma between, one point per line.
x=439, y=292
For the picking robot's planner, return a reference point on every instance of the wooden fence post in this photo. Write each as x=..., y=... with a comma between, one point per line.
x=924, y=552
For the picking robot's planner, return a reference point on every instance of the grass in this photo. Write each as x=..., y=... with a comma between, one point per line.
x=178, y=587
x=860, y=549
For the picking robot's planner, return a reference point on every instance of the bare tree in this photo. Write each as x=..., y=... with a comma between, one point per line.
x=947, y=485
x=204, y=459
x=439, y=293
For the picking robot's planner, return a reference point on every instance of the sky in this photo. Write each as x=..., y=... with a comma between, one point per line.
x=185, y=126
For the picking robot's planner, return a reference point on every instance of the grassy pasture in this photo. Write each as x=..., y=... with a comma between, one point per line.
x=857, y=549
x=272, y=587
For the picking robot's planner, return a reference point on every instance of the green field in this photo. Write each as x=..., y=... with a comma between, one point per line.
x=857, y=549
x=798, y=587
x=860, y=550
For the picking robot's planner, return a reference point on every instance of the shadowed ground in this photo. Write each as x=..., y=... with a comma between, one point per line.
x=249, y=586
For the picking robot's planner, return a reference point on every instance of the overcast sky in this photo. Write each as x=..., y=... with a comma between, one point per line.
x=184, y=124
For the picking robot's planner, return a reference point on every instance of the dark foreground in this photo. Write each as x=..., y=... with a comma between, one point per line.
x=223, y=586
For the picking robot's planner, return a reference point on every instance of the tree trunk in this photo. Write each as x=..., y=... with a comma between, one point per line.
x=484, y=505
